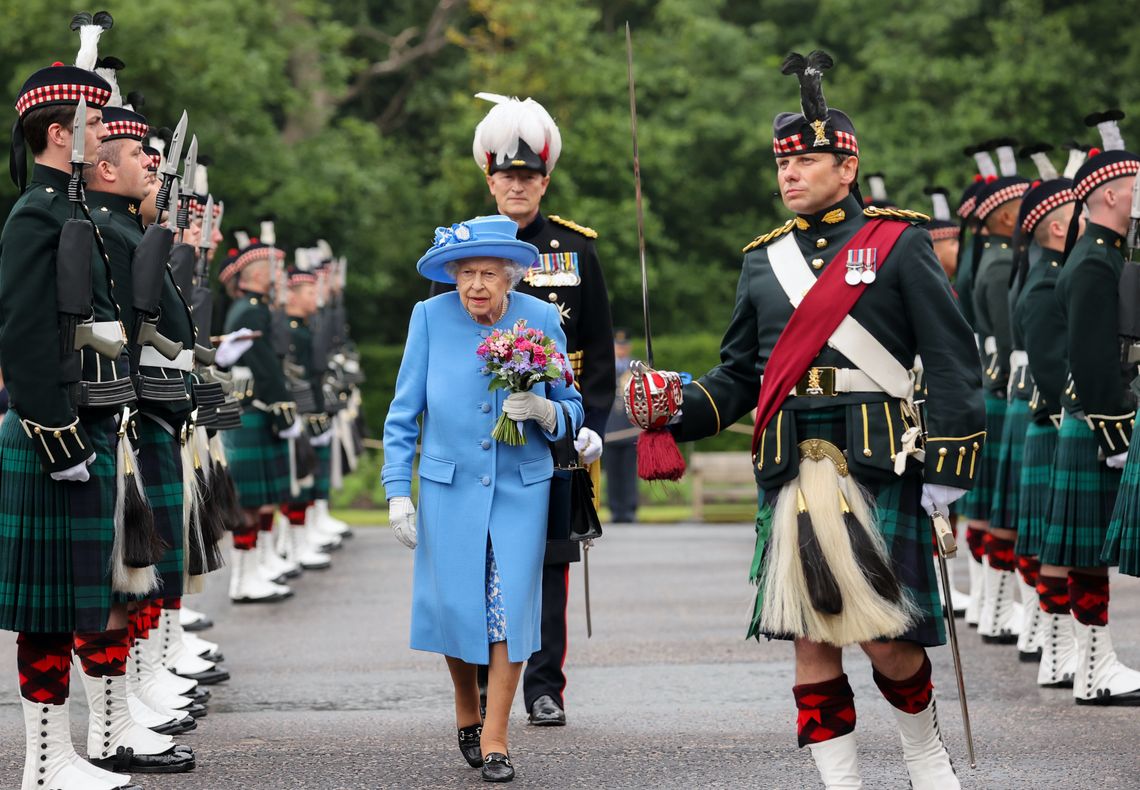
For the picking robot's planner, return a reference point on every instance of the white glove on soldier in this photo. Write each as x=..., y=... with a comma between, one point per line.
x=1116, y=461
x=939, y=498
x=232, y=347
x=75, y=474
x=402, y=519
x=323, y=439
x=589, y=446
x=521, y=406
x=292, y=432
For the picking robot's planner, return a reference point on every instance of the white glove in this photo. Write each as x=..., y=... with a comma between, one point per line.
x=323, y=439
x=402, y=519
x=75, y=474
x=292, y=432
x=1117, y=461
x=589, y=446
x=232, y=347
x=940, y=498
x=521, y=406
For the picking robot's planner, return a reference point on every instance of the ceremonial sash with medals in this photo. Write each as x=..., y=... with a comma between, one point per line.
x=823, y=308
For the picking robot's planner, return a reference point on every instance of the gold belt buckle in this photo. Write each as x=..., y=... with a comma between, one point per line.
x=817, y=383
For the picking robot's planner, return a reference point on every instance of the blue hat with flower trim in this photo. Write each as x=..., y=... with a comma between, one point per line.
x=495, y=236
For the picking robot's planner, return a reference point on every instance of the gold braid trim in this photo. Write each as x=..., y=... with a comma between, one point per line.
x=769, y=236
x=896, y=213
x=589, y=233
x=716, y=411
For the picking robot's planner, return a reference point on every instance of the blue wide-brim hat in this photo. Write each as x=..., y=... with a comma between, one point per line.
x=481, y=237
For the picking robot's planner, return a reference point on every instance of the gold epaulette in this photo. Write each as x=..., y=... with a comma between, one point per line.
x=904, y=214
x=769, y=236
x=589, y=233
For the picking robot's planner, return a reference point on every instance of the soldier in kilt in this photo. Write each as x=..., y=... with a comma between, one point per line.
x=1044, y=219
x=1097, y=421
x=258, y=452
x=999, y=620
x=834, y=423
x=1122, y=547
x=309, y=542
x=62, y=532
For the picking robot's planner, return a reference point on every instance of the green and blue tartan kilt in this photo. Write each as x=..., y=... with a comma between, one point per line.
x=55, y=538
x=1123, y=544
x=259, y=461
x=1036, y=487
x=1084, y=493
x=978, y=501
x=1007, y=479
x=320, y=487
x=906, y=529
x=160, y=464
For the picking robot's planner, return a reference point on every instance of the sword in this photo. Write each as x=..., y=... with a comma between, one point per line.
x=947, y=549
x=586, y=580
x=637, y=196
x=168, y=170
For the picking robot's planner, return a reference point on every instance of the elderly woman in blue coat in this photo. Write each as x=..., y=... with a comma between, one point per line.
x=481, y=535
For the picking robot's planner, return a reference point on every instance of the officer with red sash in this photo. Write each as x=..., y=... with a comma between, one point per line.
x=831, y=309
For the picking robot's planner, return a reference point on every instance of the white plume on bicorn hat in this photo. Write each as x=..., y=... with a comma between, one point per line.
x=516, y=134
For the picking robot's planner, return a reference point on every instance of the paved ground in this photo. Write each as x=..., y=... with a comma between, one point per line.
x=667, y=694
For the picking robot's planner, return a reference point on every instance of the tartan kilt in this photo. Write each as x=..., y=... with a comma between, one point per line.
x=55, y=538
x=1123, y=544
x=160, y=464
x=1007, y=478
x=320, y=487
x=1036, y=487
x=905, y=527
x=977, y=502
x=259, y=461
x=1084, y=493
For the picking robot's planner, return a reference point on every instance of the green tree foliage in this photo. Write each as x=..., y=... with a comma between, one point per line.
x=351, y=120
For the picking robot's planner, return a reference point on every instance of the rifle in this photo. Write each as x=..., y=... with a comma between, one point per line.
x=1129, y=289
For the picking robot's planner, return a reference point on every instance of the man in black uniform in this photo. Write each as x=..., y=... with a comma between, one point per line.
x=517, y=162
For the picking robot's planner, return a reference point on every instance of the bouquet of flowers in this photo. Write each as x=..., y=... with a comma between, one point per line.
x=516, y=360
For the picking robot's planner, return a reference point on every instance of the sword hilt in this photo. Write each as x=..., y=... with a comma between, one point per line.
x=947, y=544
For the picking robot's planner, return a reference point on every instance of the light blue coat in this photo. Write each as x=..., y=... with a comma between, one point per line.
x=471, y=486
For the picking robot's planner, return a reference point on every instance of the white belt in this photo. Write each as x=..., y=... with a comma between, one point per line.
x=150, y=358
x=848, y=380
x=1018, y=359
x=989, y=345
x=108, y=330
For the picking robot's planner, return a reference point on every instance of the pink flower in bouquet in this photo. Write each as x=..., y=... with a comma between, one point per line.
x=516, y=360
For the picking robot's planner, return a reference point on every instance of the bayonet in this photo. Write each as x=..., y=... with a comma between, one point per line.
x=168, y=169
x=207, y=229
x=1134, y=215
x=1128, y=299
x=78, y=152
x=189, y=178
x=202, y=300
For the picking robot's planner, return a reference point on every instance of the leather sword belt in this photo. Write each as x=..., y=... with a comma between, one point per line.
x=162, y=390
x=825, y=382
x=150, y=358
x=103, y=394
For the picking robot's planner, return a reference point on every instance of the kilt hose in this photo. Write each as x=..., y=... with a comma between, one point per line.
x=1084, y=493
x=55, y=538
x=1007, y=476
x=259, y=461
x=904, y=525
x=978, y=501
x=1122, y=546
x=160, y=464
x=1036, y=487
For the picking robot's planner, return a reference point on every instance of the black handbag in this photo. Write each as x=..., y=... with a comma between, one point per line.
x=584, y=521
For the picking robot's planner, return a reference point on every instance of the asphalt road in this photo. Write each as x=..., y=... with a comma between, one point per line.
x=667, y=694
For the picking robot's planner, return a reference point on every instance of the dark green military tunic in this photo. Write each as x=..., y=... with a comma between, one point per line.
x=911, y=310
x=258, y=457
x=1038, y=320
x=55, y=538
x=157, y=428
x=301, y=339
x=1098, y=413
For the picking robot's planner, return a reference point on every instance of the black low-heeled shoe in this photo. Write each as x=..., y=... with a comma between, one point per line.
x=469, y=745
x=497, y=768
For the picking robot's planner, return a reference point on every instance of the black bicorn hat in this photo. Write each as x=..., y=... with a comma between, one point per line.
x=816, y=127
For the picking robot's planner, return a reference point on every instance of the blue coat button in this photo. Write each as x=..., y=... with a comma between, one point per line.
x=486, y=407
x=485, y=480
x=485, y=444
